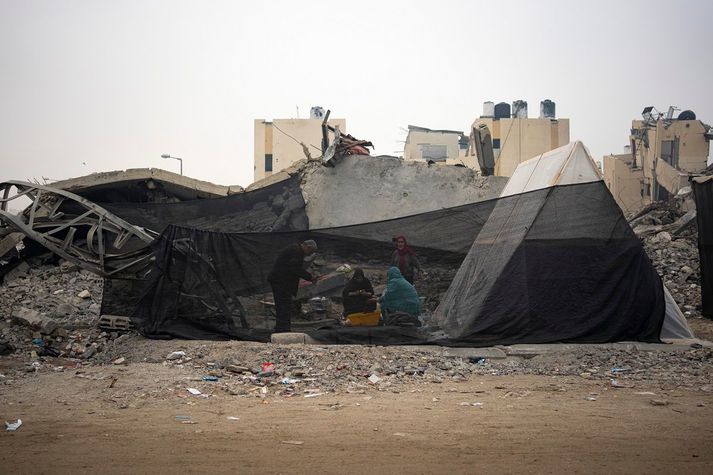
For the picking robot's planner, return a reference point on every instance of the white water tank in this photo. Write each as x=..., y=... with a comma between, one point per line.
x=488, y=109
x=519, y=109
x=316, y=112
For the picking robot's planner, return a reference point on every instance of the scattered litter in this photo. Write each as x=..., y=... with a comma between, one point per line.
x=119, y=360
x=618, y=370
x=313, y=395
x=645, y=393
x=290, y=381
x=590, y=398
x=188, y=422
x=373, y=379
x=183, y=418
x=400, y=434
x=293, y=442
x=176, y=355
x=13, y=426
x=233, y=418
x=210, y=378
x=267, y=369
x=194, y=391
x=472, y=404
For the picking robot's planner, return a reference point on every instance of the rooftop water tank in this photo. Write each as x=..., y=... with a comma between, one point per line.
x=502, y=110
x=316, y=112
x=519, y=109
x=547, y=109
x=488, y=109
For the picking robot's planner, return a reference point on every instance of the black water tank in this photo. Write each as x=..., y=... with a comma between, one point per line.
x=684, y=115
x=502, y=110
x=547, y=109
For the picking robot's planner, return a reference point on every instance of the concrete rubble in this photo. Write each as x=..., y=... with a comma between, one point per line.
x=670, y=238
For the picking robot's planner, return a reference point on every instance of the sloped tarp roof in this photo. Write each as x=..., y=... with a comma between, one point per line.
x=556, y=261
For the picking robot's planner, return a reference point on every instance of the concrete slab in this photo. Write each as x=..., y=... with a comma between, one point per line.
x=475, y=353
x=293, y=338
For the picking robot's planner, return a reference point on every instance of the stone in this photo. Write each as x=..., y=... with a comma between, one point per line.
x=659, y=402
x=21, y=270
x=65, y=309
x=28, y=317
x=122, y=338
x=118, y=361
x=48, y=326
x=84, y=294
x=89, y=352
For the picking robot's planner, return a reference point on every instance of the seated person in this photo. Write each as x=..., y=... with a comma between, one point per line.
x=358, y=294
x=400, y=295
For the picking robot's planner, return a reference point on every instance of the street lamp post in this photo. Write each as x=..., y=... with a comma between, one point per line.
x=165, y=155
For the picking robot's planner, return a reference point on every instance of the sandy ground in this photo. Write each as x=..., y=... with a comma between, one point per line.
x=74, y=422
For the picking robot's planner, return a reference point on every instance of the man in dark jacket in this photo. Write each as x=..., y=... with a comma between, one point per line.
x=285, y=277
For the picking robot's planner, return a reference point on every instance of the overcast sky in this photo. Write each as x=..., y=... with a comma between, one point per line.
x=96, y=85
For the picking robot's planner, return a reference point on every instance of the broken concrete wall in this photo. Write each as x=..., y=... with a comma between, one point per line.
x=367, y=189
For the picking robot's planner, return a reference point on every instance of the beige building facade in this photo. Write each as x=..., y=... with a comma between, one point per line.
x=279, y=143
x=440, y=146
x=518, y=139
x=664, y=154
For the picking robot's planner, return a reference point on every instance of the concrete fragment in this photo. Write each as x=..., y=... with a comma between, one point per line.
x=292, y=338
x=475, y=353
x=84, y=294
x=65, y=309
x=21, y=270
x=28, y=317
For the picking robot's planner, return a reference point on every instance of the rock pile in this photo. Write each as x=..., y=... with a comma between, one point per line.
x=668, y=231
x=51, y=310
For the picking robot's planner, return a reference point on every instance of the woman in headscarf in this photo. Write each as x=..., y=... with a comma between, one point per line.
x=405, y=259
x=358, y=294
x=400, y=295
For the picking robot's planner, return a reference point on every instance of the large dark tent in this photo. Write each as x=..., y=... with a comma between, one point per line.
x=557, y=262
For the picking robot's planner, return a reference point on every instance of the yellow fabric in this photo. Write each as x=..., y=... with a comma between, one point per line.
x=364, y=319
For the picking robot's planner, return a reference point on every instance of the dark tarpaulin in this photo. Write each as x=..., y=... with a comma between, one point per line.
x=276, y=207
x=193, y=290
x=703, y=191
x=559, y=264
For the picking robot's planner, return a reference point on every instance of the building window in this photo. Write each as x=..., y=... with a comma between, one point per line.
x=268, y=162
x=496, y=143
x=669, y=152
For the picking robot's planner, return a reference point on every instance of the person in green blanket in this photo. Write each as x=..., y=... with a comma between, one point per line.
x=400, y=295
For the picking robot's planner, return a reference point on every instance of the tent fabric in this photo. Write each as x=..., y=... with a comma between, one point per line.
x=276, y=207
x=703, y=192
x=193, y=289
x=566, y=165
x=675, y=325
x=559, y=264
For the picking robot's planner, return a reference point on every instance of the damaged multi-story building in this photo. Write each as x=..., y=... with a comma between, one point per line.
x=663, y=153
x=498, y=141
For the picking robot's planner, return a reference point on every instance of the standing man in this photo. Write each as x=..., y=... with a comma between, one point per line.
x=285, y=277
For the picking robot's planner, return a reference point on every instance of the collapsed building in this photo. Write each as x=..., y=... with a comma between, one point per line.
x=664, y=152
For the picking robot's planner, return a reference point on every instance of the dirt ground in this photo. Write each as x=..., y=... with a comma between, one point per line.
x=130, y=419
